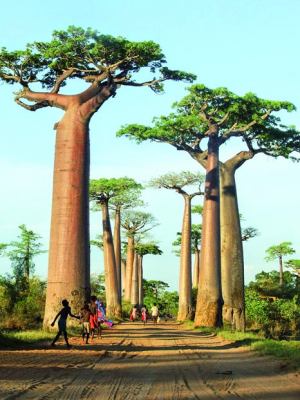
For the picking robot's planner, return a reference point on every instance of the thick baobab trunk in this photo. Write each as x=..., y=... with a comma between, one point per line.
x=140, y=274
x=117, y=247
x=69, y=254
x=232, y=263
x=196, y=267
x=209, y=301
x=123, y=280
x=129, y=267
x=135, y=280
x=113, y=305
x=185, y=279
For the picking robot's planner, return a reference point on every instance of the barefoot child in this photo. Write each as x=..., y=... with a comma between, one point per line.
x=85, y=314
x=93, y=316
x=62, y=323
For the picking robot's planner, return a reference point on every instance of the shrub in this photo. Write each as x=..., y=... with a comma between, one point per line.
x=276, y=319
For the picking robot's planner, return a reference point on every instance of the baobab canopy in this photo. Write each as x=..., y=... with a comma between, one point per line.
x=248, y=117
x=89, y=55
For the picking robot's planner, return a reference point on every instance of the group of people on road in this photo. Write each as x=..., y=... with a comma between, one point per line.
x=144, y=313
x=92, y=315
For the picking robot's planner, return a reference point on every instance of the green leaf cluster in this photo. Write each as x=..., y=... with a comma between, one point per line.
x=23, y=251
x=279, y=251
x=147, y=248
x=205, y=110
x=122, y=189
x=88, y=53
x=177, y=181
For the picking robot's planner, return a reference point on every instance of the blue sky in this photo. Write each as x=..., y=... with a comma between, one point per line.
x=243, y=45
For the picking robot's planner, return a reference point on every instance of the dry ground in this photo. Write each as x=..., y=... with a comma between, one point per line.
x=133, y=362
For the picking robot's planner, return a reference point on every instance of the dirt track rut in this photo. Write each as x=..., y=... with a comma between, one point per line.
x=133, y=362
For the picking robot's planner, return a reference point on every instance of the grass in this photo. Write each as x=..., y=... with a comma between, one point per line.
x=12, y=338
x=288, y=351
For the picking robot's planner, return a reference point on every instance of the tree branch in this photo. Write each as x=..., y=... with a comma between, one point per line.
x=61, y=79
x=42, y=100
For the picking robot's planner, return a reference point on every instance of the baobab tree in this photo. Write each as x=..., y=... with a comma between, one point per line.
x=142, y=249
x=129, y=198
x=196, y=242
x=104, y=63
x=218, y=115
x=274, y=252
x=134, y=222
x=173, y=181
x=196, y=233
x=124, y=193
x=101, y=191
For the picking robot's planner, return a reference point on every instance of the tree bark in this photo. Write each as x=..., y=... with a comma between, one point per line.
x=113, y=305
x=140, y=274
x=123, y=280
x=185, y=280
x=129, y=267
x=209, y=301
x=232, y=262
x=135, y=280
x=117, y=247
x=69, y=254
x=280, y=271
x=196, y=267
x=27, y=265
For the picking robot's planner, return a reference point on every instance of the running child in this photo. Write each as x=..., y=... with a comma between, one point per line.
x=62, y=322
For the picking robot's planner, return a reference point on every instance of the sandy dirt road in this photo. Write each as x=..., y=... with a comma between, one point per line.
x=133, y=362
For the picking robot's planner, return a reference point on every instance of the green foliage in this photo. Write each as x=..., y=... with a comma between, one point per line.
x=23, y=251
x=247, y=117
x=288, y=351
x=147, y=248
x=98, y=242
x=126, y=307
x=294, y=264
x=268, y=284
x=276, y=319
x=249, y=233
x=155, y=292
x=21, y=306
x=22, y=296
x=176, y=181
x=197, y=210
x=196, y=234
x=102, y=190
x=88, y=55
x=129, y=198
x=137, y=222
x=97, y=283
x=279, y=251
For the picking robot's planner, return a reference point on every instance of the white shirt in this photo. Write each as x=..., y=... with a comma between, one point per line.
x=154, y=311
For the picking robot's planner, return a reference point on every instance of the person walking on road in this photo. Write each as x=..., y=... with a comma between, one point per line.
x=144, y=312
x=62, y=322
x=85, y=315
x=154, y=314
